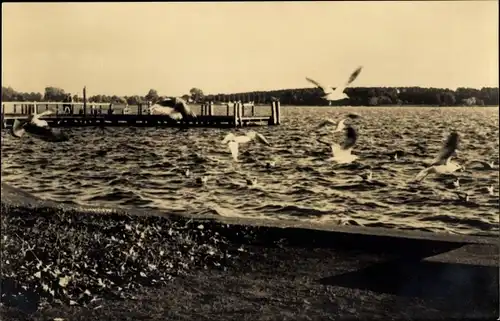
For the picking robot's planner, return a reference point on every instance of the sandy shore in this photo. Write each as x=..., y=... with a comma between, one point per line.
x=260, y=272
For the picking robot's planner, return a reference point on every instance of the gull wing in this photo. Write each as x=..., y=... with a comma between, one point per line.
x=447, y=150
x=340, y=124
x=262, y=139
x=182, y=107
x=42, y=114
x=175, y=116
x=354, y=75
x=353, y=116
x=350, y=139
x=326, y=122
x=161, y=110
x=483, y=163
x=423, y=173
x=233, y=147
x=325, y=89
x=17, y=129
x=229, y=137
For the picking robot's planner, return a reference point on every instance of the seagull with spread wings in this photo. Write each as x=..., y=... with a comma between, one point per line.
x=233, y=141
x=174, y=107
x=331, y=94
x=340, y=125
x=442, y=164
x=341, y=154
x=37, y=127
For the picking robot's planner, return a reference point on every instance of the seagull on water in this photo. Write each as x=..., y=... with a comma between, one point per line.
x=233, y=141
x=491, y=190
x=270, y=164
x=340, y=126
x=202, y=180
x=37, y=127
x=442, y=164
x=341, y=154
x=462, y=196
x=368, y=176
x=336, y=94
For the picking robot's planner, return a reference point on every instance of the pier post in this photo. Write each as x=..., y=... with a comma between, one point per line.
x=273, y=113
x=242, y=109
x=240, y=113
x=202, y=111
x=15, y=111
x=253, y=109
x=3, y=116
x=35, y=108
x=211, y=108
x=235, y=113
x=227, y=109
x=278, y=113
x=84, y=101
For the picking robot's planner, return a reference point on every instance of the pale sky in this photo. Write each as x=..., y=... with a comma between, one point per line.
x=128, y=48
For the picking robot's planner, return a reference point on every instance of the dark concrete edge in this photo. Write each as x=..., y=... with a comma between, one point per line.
x=24, y=199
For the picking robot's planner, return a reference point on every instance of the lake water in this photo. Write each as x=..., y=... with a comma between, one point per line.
x=145, y=167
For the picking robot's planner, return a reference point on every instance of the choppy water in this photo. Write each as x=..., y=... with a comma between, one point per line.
x=145, y=167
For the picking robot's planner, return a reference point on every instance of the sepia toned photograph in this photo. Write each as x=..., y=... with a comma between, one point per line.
x=272, y=160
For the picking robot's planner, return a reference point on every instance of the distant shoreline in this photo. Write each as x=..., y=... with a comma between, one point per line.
x=358, y=96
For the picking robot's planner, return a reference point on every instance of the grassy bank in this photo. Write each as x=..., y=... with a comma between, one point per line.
x=81, y=266
x=56, y=256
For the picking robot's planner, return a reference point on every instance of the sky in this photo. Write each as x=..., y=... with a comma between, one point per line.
x=230, y=47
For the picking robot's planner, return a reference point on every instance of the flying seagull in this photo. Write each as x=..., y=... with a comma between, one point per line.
x=174, y=107
x=233, y=141
x=342, y=153
x=331, y=94
x=442, y=164
x=340, y=125
x=38, y=128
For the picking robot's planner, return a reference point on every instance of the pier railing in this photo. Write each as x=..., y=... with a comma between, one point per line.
x=236, y=113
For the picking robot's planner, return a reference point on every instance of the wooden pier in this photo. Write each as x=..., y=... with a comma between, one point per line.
x=104, y=114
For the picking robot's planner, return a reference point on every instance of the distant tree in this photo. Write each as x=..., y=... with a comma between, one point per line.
x=54, y=94
x=196, y=94
x=373, y=101
x=152, y=95
x=134, y=100
x=186, y=97
x=449, y=99
x=8, y=94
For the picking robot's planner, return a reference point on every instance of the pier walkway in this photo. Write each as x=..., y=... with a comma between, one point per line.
x=99, y=114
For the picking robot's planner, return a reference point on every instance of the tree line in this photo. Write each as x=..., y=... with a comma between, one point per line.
x=358, y=96
x=371, y=96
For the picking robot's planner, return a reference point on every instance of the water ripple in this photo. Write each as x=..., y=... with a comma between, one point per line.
x=146, y=167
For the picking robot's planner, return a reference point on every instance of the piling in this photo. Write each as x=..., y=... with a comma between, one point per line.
x=273, y=113
x=278, y=113
x=211, y=108
x=235, y=114
x=84, y=101
x=3, y=116
x=240, y=113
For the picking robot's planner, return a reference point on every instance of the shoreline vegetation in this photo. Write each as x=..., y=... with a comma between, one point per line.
x=359, y=96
